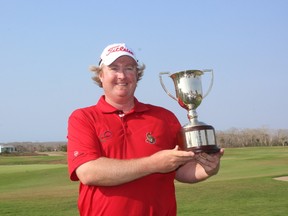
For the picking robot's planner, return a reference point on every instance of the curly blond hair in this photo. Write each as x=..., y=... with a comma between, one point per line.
x=97, y=70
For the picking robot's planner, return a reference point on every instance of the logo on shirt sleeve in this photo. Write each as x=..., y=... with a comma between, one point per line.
x=76, y=153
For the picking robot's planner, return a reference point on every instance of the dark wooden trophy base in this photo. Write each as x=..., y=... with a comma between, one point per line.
x=211, y=149
x=198, y=138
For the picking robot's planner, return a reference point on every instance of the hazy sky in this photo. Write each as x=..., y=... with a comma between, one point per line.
x=47, y=46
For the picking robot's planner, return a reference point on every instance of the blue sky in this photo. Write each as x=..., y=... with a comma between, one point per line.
x=47, y=46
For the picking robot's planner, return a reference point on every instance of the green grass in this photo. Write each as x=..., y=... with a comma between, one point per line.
x=39, y=185
x=244, y=185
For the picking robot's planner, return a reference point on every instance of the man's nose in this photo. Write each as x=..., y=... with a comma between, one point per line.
x=122, y=72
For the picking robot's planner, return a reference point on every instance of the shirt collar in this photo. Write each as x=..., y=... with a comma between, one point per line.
x=108, y=108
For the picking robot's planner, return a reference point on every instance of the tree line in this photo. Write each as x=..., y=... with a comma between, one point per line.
x=38, y=147
x=227, y=139
x=252, y=137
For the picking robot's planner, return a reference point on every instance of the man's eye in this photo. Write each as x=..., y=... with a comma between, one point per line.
x=113, y=68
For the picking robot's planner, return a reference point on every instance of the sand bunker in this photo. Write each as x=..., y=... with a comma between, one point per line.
x=282, y=178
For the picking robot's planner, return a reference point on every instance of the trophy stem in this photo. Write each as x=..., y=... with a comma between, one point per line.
x=193, y=116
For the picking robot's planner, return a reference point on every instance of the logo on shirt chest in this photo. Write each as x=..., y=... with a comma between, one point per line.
x=150, y=138
x=106, y=135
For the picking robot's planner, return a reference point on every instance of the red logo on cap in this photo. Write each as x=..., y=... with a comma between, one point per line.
x=119, y=49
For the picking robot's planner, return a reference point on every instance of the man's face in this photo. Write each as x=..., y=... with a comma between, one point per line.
x=119, y=79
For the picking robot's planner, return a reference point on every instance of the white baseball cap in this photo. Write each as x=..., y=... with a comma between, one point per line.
x=114, y=51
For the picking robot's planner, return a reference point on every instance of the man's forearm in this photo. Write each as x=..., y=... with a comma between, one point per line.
x=110, y=172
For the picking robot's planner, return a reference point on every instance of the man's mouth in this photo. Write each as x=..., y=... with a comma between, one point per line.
x=122, y=84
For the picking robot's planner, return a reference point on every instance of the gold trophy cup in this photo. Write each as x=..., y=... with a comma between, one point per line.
x=195, y=136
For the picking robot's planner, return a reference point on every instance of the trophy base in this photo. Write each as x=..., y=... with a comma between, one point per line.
x=211, y=149
x=198, y=138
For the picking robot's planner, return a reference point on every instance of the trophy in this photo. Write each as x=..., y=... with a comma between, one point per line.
x=195, y=136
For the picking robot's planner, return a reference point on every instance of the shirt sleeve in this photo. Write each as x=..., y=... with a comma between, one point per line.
x=174, y=124
x=83, y=143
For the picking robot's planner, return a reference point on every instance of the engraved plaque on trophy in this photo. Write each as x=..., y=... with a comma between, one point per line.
x=195, y=136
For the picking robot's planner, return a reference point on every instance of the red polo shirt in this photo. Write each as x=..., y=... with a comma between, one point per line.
x=102, y=130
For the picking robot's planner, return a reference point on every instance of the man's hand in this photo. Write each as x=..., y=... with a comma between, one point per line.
x=202, y=167
x=169, y=160
x=210, y=162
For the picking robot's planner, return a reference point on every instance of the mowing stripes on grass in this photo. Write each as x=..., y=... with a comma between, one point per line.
x=244, y=186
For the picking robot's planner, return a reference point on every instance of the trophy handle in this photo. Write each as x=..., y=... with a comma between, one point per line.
x=164, y=87
x=211, y=82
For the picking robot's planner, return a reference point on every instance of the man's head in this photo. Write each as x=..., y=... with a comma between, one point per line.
x=109, y=55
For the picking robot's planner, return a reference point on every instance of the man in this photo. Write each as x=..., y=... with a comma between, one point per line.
x=124, y=152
